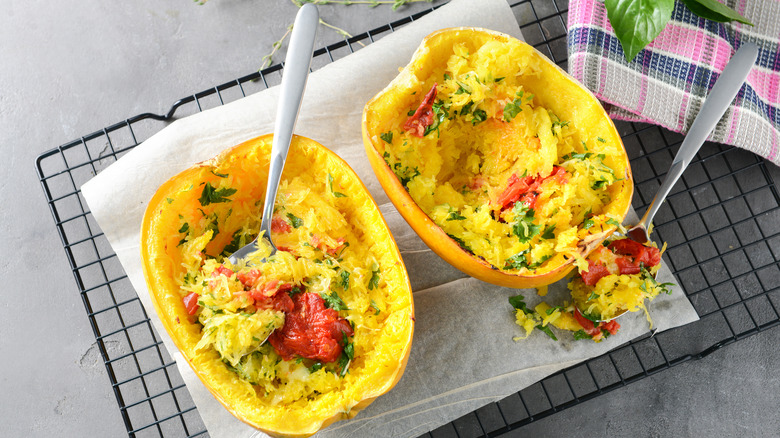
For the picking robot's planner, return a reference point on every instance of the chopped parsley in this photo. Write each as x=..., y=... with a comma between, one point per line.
x=388, y=136
x=184, y=228
x=479, y=116
x=375, y=307
x=333, y=301
x=512, y=109
x=373, y=282
x=549, y=232
x=169, y=200
x=517, y=261
x=547, y=331
x=330, y=187
x=523, y=226
x=210, y=195
x=344, y=279
x=455, y=216
x=295, y=221
x=588, y=222
x=518, y=302
x=234, y=244
x=315, y=367
x=441, y=113
x=460, y=242
x=580, y=334
x=221, y=175
x=346, y=355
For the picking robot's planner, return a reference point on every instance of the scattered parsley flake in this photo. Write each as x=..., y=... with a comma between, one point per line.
x=210, y=195
x=295, y=221
x=333, y=301
x=387, y=136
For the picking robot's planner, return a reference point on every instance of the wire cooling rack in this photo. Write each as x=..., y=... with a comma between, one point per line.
x=722, y=224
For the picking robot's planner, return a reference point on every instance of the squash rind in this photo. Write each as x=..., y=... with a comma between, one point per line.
x=383, y=104
x=160, y=271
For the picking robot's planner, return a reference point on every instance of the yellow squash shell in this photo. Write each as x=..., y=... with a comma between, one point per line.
x=382, y=341
x=543, y=85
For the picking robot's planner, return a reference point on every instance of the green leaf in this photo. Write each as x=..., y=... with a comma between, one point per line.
x=373, y=283
x=637, y=22
x=479, y=116
x=333, y=301
x=330, y=186
x=316, y=367
x=388, y=136
x=715, y=11
x=580, y=334
x=455, y=216
x=523, y=226
x=295, y=221
x=517, y=261
x=518, y=303
x=512, y=109
x=344, y=279
x=210, y=195
x=184, y=228
x=221, y=175
x=549, y=232
x=547, y=331
x=375, y=307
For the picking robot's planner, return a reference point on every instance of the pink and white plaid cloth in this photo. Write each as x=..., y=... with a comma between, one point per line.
x=667, y=81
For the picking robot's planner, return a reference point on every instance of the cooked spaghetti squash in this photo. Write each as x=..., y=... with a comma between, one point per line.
x=504, y=165
x=619, y=278
x=293, y=341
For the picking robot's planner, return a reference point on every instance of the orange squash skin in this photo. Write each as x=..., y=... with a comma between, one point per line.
x=160, y=270
x=577, y=101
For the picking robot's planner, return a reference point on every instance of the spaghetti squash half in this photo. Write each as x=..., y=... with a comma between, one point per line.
x=503, y=164
x=292, y=342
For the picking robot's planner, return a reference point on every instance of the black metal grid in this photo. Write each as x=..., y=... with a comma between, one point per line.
x=722, y=224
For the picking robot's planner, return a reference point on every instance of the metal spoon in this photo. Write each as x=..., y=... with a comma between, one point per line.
x=296, y=71
x=722, y=94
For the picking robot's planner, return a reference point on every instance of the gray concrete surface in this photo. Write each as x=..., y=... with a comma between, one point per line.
x=70, y=67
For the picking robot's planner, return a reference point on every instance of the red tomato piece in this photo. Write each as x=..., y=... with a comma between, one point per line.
x=191, y=303
x=610, y=326
x=340, y=245
x=646, y=255
x=595, y=272
x=423, y=117
x=587, y=325
x=311, y=330
x=627, y=266
x=227, y=272
x=249, y=278
x=272, y=296
x=279, y=225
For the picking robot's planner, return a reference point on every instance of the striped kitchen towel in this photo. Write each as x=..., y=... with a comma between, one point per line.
x=667, y=81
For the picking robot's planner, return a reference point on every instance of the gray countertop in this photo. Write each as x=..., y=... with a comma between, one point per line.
x=71, y=67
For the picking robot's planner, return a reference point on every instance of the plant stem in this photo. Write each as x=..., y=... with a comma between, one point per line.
x=269, y=58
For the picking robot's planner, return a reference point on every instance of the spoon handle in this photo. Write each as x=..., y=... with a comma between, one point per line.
x=296, y=71
x=723, y=92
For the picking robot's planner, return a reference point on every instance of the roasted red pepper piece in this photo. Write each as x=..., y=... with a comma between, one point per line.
x=595, y=272
x=191, y=303
x=646, y=255
x=587, y=325
x=311, y=330
x=423, y=117
x=627, y=266
x=279, y=225
x=610, y=326
x=526, y=189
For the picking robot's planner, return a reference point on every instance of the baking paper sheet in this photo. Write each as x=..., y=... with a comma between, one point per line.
x=463, y=355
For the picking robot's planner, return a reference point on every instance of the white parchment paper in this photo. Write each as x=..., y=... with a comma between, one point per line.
x=463, y=355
